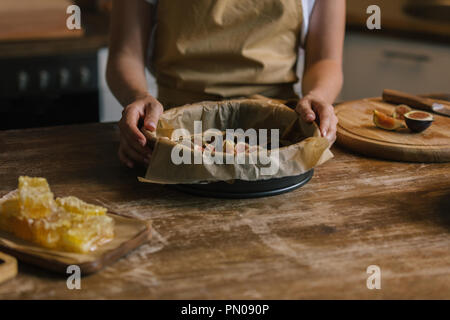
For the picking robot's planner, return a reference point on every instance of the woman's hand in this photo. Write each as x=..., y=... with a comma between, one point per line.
x=323, y=78
x=133, y=148
x=130, y=30
x=312, y=107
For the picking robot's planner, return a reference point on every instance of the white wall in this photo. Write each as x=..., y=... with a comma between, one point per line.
x=374, y=63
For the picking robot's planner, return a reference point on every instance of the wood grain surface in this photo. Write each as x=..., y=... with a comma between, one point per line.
x=357, y=132
x=315, y=242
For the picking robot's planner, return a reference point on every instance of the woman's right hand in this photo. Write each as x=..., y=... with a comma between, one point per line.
x=145, y=111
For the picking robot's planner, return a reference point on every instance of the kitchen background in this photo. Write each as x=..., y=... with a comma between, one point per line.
x=51, y=75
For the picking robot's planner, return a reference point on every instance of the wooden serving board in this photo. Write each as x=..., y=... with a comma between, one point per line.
x=8, y=267
x=129, y=234
x=357, y=132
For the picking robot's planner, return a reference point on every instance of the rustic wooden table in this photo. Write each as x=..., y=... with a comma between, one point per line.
x=315, y=242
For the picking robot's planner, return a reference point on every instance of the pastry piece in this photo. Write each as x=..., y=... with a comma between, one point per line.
x=228, y=146
x=198, y=148
x=210, y=148
x=241, y=147
x=255, y=148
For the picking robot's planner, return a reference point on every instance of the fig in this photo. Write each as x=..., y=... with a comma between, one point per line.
x=400, y=110
x=418, y=121
x=386, y=122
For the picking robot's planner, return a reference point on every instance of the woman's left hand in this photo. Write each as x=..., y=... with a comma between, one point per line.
x=312, y=107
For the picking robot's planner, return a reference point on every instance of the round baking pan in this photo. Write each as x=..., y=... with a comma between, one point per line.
x=240, y=189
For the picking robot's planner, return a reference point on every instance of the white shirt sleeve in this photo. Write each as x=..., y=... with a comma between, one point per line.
x=308, y=6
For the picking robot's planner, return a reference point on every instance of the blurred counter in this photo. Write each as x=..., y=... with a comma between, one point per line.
x=395, y=21
x=95, y=26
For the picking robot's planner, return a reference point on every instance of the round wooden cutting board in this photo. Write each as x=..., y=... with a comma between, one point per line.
x=357, y=132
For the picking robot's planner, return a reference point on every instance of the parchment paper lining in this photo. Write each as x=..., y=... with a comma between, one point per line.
x=295, y=159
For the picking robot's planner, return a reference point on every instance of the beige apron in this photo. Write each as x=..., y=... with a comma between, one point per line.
x=216, y=49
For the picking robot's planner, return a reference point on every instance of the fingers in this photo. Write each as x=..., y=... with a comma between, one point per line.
x=130, y=157
x=132, y=154
x=133, y=144
x=305, y=110
x=328, y=121
x=333, y=129
x=325, y=120
x=130, y=139
x=153, y=111
x=313, y=108
x=130, y=121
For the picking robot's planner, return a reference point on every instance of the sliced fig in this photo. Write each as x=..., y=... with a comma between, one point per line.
x=400, y=110
x=386, y=122
x=418, y=121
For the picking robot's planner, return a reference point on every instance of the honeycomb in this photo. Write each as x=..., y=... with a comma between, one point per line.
x=69, y=224
x=75, y=205
x=35, y=198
